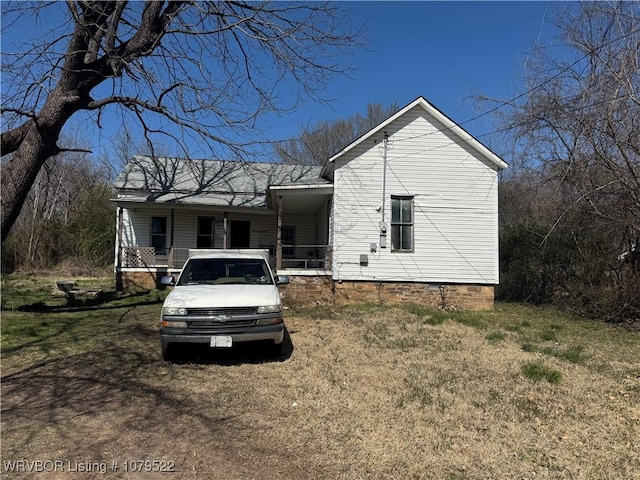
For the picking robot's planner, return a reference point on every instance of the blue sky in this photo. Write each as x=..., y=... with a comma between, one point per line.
x=443, y=51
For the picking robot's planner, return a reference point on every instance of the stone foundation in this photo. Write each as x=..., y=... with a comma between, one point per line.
x=322, y=290
x=470, y=297
x=147, y=280
x=307, y=290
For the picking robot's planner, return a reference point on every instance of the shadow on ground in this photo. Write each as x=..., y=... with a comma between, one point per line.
x=123, y=402
x=240, y=353
x=105, y=301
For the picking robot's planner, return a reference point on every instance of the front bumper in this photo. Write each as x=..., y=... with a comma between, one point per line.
x=246, y=334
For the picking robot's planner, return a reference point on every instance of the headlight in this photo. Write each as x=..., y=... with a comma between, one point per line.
x=174, y=311
x=169, y=324
x=269, y=309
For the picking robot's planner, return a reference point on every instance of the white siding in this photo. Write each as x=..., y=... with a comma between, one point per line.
x=137, y=225
x=455, y=207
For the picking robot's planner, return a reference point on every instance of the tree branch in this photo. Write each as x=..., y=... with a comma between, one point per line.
x=12, y=139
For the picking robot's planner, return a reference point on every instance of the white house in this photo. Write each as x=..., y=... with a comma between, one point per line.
x=407, y=212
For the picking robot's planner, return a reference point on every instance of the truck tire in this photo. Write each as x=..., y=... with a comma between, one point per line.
x=167, y=353
x=276, y=350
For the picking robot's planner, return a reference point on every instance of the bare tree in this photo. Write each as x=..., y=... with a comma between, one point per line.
x=318, y=142
x=49, y=210
x=203, y=66
x=579, y=122
x=125, y=145
x=577, y=133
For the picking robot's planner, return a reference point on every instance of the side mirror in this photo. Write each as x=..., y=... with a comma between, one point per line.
x=282, y=280
x=167, y=281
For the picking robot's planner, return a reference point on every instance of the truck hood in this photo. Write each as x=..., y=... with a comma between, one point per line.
x=206, y=296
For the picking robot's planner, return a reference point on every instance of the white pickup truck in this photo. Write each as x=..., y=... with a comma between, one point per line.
x=223, y=297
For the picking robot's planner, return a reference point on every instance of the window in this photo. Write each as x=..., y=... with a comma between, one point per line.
x=402, y=223
x=205, y=232
x=288, y=235
x=159, y=234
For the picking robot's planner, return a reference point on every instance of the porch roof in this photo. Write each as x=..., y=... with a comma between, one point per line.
x=195, y=199
x=207, y=182
x=306, y=198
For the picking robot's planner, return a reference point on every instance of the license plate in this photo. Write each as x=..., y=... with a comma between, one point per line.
x=221, y=341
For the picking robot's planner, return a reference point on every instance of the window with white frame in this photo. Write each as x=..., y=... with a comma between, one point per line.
x=402, y=223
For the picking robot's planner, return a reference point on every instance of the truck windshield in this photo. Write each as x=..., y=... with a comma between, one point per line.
x=219, y=271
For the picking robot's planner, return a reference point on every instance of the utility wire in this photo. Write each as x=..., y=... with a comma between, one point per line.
x=524, y=94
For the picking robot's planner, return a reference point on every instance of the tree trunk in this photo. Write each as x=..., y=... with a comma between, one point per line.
x=38, y=145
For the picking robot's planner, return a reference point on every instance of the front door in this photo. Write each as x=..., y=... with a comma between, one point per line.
x=239, y=234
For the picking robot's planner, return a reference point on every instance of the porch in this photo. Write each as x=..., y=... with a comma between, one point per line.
x=306, y=258
x=294, y=227
x=142, y=268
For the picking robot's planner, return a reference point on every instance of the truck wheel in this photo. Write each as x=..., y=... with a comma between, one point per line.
x=276, y=350
x=167, y=353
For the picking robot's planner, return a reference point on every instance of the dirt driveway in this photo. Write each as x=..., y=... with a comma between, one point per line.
x=361, y=393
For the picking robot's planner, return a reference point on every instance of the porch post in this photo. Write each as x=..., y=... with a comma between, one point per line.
x=118, y=269
x=173, y=217
x=170, y=259
x=225, y=229
x=119, y=238
x=279, y=234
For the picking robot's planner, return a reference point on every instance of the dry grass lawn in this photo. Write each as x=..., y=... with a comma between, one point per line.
x=364, y=392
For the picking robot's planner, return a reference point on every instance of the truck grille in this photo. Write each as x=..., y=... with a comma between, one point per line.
x=213, y=325
x=216, y=312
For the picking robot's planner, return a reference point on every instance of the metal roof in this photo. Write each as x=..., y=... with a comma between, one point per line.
x=207, y=182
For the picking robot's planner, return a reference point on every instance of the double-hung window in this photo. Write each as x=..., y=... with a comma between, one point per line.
x=402, y=223
x=159, y=235
x=205, y=232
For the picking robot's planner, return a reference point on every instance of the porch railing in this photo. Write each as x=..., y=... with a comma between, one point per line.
x=306, y=257
x=138, y=257
x=303, y=257
x=145, y=257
